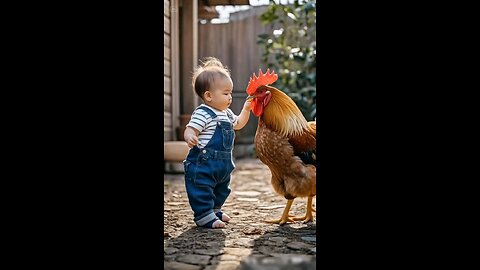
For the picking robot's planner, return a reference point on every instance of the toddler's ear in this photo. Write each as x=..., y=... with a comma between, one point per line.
x=207, y=95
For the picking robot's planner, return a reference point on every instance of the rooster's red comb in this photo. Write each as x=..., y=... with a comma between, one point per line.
x=262, y=79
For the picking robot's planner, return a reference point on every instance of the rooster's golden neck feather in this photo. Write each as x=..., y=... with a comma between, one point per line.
x=282, y=114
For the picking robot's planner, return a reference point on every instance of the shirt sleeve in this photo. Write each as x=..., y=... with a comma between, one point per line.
x=232, y=116
x=199, y=120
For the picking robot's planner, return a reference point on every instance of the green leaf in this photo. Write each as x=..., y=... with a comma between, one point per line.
x=296, y=67
x=313, y=114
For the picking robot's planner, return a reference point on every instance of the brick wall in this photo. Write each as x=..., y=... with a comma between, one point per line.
x=167, y=85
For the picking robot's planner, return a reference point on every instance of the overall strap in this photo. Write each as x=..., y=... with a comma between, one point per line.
x=230, y=116
x=208, y=110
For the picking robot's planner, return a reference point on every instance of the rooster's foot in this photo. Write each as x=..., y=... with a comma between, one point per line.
x=281, y=221
x=306, y=218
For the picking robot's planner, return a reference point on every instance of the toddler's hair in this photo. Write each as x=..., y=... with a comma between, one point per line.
x=204, y=75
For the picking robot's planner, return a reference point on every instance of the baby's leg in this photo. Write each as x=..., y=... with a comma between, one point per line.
x=221, y=191
x=200, y=198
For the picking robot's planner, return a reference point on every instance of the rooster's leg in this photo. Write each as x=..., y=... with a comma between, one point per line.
x=308, y=216
x=285, y=217
x=313, y=210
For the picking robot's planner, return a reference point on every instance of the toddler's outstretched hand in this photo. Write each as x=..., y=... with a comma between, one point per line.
x=247, y=106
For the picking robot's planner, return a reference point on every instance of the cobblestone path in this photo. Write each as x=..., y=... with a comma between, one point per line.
x=246, y=242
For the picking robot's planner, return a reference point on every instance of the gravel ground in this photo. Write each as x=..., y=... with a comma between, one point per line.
x=246, y=242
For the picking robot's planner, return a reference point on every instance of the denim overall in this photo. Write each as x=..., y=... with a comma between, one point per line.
x=207, y=172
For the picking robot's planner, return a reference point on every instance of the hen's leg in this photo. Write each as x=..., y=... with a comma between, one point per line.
x=308, y=216
x=285, y=218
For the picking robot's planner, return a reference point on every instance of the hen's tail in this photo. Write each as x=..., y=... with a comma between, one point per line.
x=309, y=157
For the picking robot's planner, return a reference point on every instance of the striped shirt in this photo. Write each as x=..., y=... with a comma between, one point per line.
x=206, y=125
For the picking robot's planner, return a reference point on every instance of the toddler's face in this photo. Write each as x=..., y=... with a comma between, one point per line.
x=221, y=92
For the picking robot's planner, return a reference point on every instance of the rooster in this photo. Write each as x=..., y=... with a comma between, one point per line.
x=285, y=142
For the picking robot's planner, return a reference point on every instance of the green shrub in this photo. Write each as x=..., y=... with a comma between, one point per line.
x=290, y=50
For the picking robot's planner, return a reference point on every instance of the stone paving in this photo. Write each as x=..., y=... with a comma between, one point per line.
x=246, y=242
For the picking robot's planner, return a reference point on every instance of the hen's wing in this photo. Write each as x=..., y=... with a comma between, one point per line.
x=305, y=144
x=291, y=176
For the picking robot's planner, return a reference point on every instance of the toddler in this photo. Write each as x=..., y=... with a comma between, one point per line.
x=210, y=136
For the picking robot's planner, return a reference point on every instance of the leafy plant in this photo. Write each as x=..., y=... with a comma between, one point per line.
x=290, y=50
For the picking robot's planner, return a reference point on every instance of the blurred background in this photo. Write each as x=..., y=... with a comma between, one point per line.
x=245, y=35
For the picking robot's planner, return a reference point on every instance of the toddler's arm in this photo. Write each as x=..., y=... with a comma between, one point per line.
x=244, y=115
x=191, y=136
